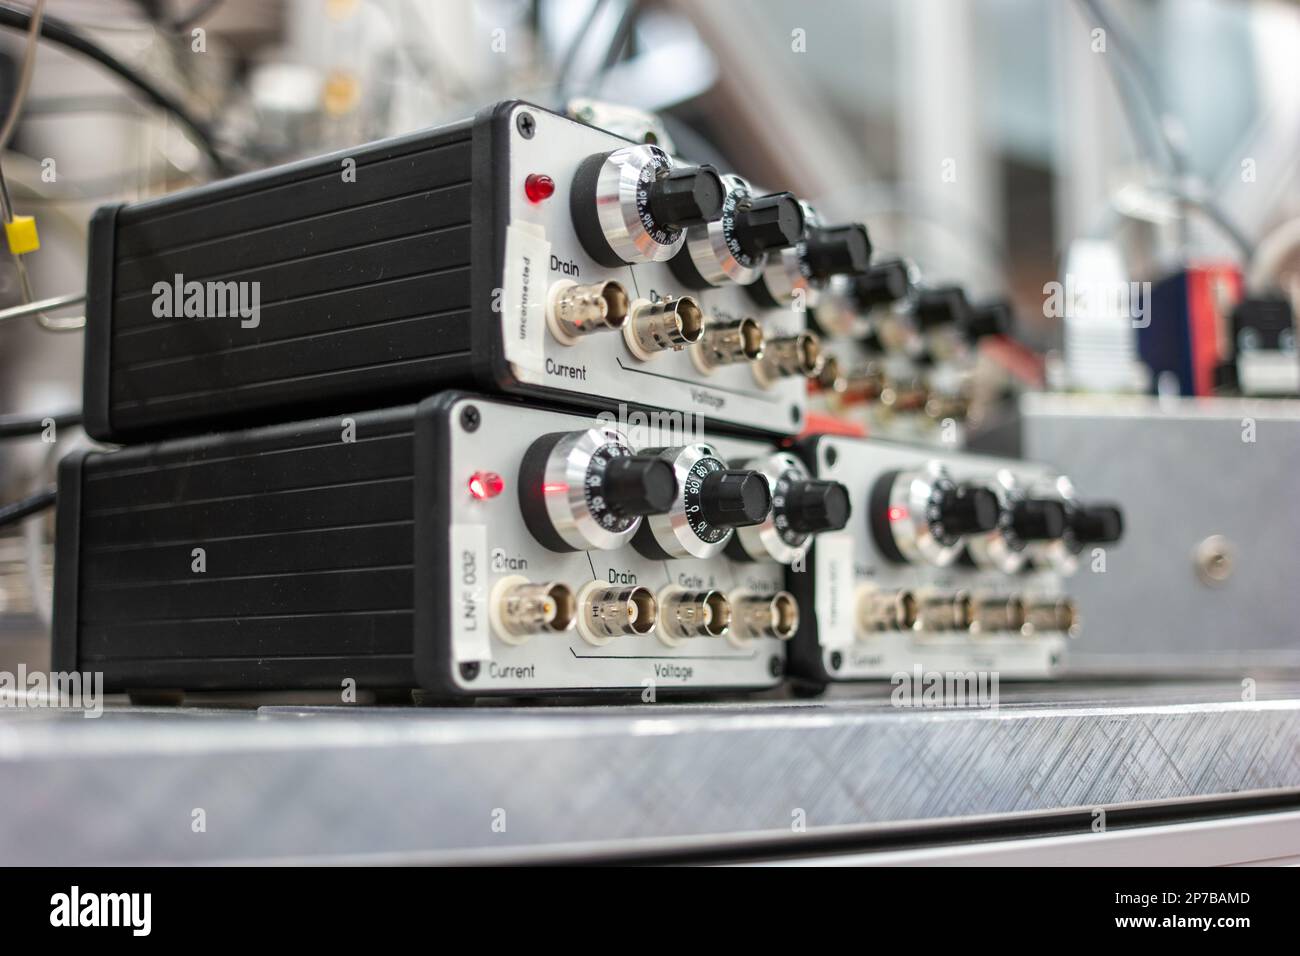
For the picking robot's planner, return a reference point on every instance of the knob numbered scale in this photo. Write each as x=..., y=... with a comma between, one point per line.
x=588, y=490
x=635, y=204
x=924, y=515
x=734, y=247
x=712, y=501
x=1023, y=521
x=824, y=252
x=801, y=507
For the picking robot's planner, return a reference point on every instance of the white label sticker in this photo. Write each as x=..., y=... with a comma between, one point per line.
x=834, y=570
x=523, y=295
x=470, y=628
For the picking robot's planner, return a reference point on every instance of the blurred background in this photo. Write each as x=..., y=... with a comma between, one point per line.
x=989, y=142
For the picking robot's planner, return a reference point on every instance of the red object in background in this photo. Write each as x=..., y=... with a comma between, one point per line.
x=819, y=424
x=539, y=187
x=1015, y=357
x=1213, y=290
x=486, y=484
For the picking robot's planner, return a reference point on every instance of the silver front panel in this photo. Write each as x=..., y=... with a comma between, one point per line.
x=490, y=534
x=847, y=562
x=600, y=365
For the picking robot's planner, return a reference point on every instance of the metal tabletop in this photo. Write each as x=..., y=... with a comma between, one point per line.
x=408, y=784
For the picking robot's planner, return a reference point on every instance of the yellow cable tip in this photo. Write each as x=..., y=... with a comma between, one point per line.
x=22, y=235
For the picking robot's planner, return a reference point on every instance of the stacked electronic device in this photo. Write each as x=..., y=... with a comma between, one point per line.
x=508, y=408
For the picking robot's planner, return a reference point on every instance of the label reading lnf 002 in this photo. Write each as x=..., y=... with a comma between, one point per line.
x=470, y=628
x=523, y=295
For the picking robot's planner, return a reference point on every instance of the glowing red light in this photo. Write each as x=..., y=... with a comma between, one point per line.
x=897, y=513
x=555, y=488
x=539, y=187
x=486, y=484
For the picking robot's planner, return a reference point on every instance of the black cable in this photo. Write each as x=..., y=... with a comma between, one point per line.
x=63, y=34
x=622, y=34
x=571, y=55
x=26, y=507
x=22, y=426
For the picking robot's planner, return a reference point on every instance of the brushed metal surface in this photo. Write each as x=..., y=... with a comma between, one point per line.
x=394, y=784
x=1183, y=473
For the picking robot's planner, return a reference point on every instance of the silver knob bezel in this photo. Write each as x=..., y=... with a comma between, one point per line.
x=999, y=550
x=786, y=271
x=564, y=492
x=1061, y=555
x=765, y=542
x=672, y=531
x=910, y=502
x=713, y=247
x=620, y=196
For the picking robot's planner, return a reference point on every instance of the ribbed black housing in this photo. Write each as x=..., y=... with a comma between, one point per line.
x=308, y=547
x=364, y=281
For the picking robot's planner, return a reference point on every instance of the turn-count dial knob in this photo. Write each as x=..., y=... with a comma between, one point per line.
x=1094, y=524
x=824, y=252
x=837, y=250
x=802, y=506
x=588, y=490
x=1085, y=524
x=712, y=501
x=883, y=284
x=1024, y=520
x=734, y=248
x=635, y=204
x=925, y=515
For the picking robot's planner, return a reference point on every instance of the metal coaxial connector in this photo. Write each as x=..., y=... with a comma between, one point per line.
x=728, y=343
x=573, y=310
x=666, y=325
x=788, y=357
x=763, y=615
x=605, y=613
x=685, y=614
x=520, y=609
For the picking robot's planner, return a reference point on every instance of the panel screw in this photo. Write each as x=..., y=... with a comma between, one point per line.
x=832, y=455
x=795, y=414
x=526, y=125
x=469, y=670
x=470, y=418
x=837, y=660
x=775, y=666
x=1215, y=559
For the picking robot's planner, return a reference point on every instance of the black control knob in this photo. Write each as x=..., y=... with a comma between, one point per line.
x=639, y=485
x=883, y=284
x=1038, y=519
x=769, y=222
x=686, y=196
x=837, y=250
x=735, y=498
x=990, y=318
x=813, y=506
x=969, y=509
x=944, y=305
x=1096, y=524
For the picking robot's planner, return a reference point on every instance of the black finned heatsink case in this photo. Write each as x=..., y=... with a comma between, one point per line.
x=280, y=558
x=288, y=557
x=370, y=260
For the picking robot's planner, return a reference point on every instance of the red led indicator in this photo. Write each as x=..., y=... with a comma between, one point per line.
x=486, y=484
x=897, y=513
x=539, y=187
